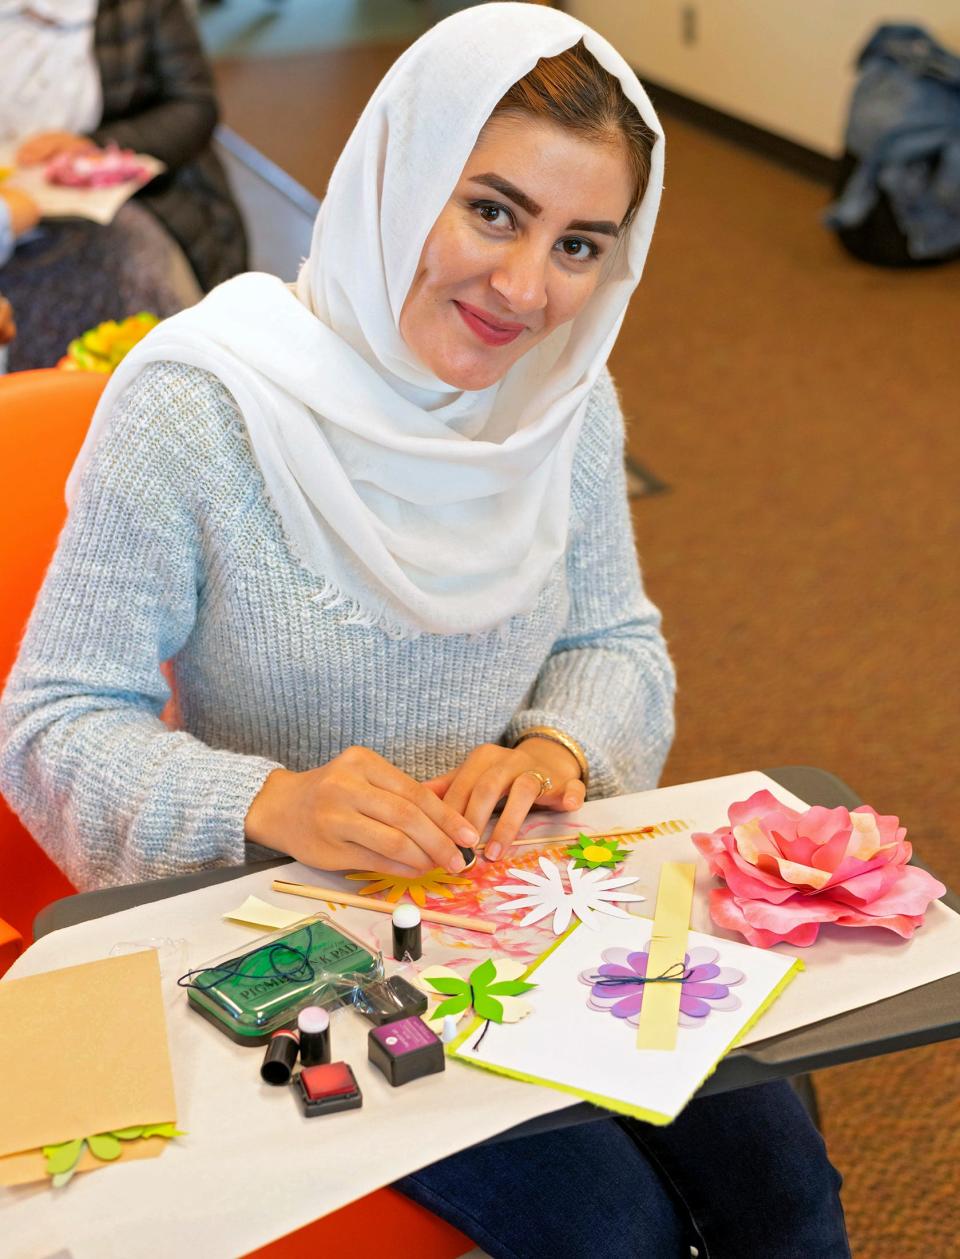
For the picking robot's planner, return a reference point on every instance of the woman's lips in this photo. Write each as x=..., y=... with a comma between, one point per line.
x=492, y=333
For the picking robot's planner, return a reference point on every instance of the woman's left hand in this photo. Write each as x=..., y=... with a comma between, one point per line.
x=491, y=773
x=47, y=145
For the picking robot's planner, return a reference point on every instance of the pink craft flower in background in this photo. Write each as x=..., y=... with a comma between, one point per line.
x=786, y=872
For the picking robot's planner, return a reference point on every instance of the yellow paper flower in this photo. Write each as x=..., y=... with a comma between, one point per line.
x=100, y=349
x=433, y=883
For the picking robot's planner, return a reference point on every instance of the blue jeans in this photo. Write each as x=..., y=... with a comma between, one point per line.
x=739, y=1175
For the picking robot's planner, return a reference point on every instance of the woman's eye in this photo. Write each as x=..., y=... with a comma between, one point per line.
x=578, y=248
x=490, y=212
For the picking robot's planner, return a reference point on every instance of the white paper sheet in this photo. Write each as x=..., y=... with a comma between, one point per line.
x=568, y=1045
x=215, y=1183
x=56, y=201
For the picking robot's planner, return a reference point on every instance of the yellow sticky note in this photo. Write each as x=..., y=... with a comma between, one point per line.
x=258, y=913
x=657, y=1025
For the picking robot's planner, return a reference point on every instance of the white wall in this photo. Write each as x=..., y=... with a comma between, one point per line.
x=785, y=65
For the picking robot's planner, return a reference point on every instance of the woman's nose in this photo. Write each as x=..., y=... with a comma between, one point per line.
x=521, y=279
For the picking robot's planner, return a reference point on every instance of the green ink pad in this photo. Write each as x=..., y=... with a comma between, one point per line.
x=250, y=995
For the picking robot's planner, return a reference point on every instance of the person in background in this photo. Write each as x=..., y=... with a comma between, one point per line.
x=78, y=74
x=18, y=214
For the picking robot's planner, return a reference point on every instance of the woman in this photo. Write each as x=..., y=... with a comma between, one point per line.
x=78, y=73
x=379, y=528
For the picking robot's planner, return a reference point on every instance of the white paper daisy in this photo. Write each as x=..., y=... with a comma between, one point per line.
x=589, y=891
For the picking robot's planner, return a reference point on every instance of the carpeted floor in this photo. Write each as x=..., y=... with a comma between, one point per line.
x=802, y=409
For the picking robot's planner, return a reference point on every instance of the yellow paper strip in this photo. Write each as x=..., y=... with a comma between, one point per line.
x=657, y=1025
x=257, y=913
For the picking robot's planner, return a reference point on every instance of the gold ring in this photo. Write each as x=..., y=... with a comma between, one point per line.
x=545, y=781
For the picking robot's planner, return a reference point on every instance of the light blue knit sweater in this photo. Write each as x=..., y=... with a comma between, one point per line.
x=173, y=552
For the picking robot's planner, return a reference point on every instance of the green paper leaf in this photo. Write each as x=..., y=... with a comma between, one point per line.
x=104, y=1146
x=64, y=1157
x=127, y=1134
x=483, y=975
x=62, y=1178
x=162, y=1130
x=455, y=1005
x=488, y=1008
x=449, y=986
x=509, y=988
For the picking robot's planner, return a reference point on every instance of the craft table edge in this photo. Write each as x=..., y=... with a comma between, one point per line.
x=918, y=1017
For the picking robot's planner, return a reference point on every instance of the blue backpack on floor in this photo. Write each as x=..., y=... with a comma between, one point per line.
x=898, y=197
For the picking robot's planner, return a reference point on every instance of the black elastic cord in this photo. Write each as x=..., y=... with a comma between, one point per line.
x=622, y=981
x=298, y=970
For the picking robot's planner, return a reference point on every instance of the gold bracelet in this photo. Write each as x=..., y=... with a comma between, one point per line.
x=557, y=736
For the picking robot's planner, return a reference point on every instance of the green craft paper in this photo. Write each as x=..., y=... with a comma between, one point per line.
x=104, y=1146
x=64, y=1157
x=581, y=862
x=480, y=990
x=455, y=1005
x=483, y=974
x=509, y=988
x=160, y=1130
x=488, y=1007
x=449, y=986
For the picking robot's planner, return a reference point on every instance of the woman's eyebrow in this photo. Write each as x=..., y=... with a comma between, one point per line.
x=603, y=226
x=506, y=189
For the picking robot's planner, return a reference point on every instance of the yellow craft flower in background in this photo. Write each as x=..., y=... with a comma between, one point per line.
x=433, y=883
x=100, y=349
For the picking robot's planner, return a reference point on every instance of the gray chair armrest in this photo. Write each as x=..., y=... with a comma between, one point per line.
x=277, y=211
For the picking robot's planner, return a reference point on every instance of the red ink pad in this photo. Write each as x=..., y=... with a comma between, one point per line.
x=328, y=1088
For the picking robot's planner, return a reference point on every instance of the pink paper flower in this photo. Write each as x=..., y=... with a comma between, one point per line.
x=96, y=168
x=788, y=872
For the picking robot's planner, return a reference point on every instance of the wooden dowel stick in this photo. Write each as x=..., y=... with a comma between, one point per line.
x=381, y=907
x=529, y=841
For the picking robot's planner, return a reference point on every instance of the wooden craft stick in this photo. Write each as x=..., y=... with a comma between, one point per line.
x=657, y=1025
x=542, y=841
x=337, y=897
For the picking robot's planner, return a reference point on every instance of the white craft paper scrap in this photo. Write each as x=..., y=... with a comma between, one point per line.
x=258, y=913
x=567, y=1044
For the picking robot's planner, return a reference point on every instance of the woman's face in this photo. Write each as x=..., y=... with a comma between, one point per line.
x=517, y=250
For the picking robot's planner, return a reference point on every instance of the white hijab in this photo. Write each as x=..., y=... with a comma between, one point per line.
x=50, y=78
x=421, y=507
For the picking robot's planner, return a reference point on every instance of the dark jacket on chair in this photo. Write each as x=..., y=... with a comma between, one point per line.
x=159, y=98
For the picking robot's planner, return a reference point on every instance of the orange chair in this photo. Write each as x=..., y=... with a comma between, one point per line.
x=43, y=418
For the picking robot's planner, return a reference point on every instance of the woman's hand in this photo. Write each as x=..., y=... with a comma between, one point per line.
x=24, y=211
x=47, y=145
x=359, y=812
x=491, y=773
